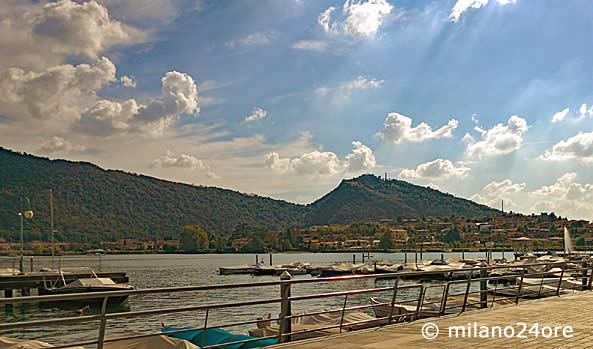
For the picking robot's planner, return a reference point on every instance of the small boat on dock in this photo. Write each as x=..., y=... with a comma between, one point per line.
x=238, y=269
x=87, y=285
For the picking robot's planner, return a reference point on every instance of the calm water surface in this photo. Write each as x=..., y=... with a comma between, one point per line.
x=149, y=271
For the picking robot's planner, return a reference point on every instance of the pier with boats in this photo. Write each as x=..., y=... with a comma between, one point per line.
x=291, y=308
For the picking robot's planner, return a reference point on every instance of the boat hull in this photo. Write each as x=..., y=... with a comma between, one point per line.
x=113, y=300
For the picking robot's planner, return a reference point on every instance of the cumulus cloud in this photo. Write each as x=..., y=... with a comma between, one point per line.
x=256, y=114
x=561, y=115
x=186, y=161
x=398, y=129
x=59, y=145
x=59, y=92
x=436, y=169
x=85, y=28
x=37, y=35
x=359, y=18
x=128, y=81
x=579, y=147
x=361, y=158
x=253, y=39
x=565, y=197
x=317, y=163
x=179, y=96
x=310, y=45
x=494, y=192
x=502, y=188
x=583, y=113
x=499, y=140
x=462, y=6
x=169, y=159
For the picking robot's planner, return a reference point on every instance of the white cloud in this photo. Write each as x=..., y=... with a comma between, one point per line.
x=317, y=163
x=106, y=117
x=344, y=90
x=436, y=169
x=311, y=45
x=85, y=28
x=582, y=114
x=169, y=159
x=324, y=20
x=362, y=83
x=559, y=116
x=59, y=145
x=359, y=18
x=38, y=35
x=495, y=192
x=463, y=5
x=499, y=140
x=253, y=39
x=59, y=92
x=398, y=128
x=361, y=158
x=579, y=147
x=502, y=188
x=128, y=81
x=565, y=197
x=256, y=114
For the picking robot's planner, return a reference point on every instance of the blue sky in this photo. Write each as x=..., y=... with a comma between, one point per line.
x=286, y=98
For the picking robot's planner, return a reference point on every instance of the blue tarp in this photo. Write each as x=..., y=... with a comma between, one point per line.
x=218, y=336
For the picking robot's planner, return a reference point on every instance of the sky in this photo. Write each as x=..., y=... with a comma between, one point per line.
x=489, y=100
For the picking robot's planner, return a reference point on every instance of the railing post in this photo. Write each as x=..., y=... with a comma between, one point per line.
x=343, y=311
x=103, y=324
x=420, y=303
x=520, y=286
x=393, y=299
x=560, y=282
x=584, y=274
x=285, y=312
x=469, y=283
x=205, y=328
x=483, y=287
x=590, y=279
x=444, y=299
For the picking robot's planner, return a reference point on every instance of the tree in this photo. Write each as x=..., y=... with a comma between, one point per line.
x=386, y=242
x=452, y=235
x=193, y=238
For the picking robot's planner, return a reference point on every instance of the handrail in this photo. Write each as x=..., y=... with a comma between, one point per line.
x=78, y=296
x=286, y=299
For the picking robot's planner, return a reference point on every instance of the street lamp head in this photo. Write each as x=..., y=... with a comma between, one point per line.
x=29, y=214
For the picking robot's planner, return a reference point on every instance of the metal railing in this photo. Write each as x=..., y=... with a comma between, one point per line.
x=556, y=278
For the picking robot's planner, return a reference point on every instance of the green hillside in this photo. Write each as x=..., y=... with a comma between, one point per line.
x=370, y=198
x=92, y=204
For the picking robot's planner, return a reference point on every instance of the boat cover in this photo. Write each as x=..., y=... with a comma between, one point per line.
x=153, y=342
x=91, y=282
x=217, y=336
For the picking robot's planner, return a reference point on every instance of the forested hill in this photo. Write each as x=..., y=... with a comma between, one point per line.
x=370, y=198
x=92, y=204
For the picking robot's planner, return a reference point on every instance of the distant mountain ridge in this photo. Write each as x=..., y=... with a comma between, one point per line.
x=93, y=204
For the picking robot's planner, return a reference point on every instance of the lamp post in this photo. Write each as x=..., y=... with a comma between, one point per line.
x=27, y=214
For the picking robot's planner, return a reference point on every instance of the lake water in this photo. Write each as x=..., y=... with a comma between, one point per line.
x=149, y=271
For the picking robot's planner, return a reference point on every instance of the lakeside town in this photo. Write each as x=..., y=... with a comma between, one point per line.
x=507, y=231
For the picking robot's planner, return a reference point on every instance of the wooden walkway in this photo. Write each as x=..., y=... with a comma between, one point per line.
x=571, y=310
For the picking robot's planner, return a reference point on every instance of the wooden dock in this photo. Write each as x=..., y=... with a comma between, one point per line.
x=41, y=280
x=570, y=310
